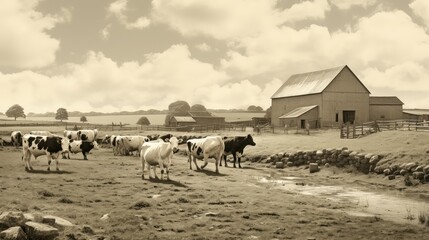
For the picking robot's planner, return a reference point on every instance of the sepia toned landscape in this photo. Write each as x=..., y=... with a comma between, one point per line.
x=105, y=198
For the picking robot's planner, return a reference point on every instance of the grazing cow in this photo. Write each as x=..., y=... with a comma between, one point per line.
x=16, y=138
x=204, y=148
x=133, y=143
x=87, y=135
x=76, y=146
x=166, y=137
x=71, y=135
x=235, y=146
x=41, y=133
x=158, y=154
x=118, y=145
x=38, y=145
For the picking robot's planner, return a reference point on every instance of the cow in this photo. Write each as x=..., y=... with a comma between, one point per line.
x=166, y=137
x=204, y=148
x=38, y=145
x=118, y=145
x=41, y=133
x=87, y=134
x=76, y=146
x=133, y=143
x=158, y=153
x=235, y=146
x=16, y=138
x=71, y=135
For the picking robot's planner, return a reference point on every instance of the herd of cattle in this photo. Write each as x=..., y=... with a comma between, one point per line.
x=154, y=150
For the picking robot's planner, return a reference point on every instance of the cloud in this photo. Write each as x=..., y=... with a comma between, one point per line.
x=101, y=84
x=119, y=8
x=306, y=10
x=347, y=4
x=204, y=47
x=230, y=20
x=421, y=9
x=24, y=41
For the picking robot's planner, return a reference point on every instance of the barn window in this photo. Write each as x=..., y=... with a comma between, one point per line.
x=336, y=117
x=382, y=116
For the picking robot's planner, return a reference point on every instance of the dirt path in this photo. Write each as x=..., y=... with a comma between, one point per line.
x=194, y=205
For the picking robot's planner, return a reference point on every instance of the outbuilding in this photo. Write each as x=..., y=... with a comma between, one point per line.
x=322, y=98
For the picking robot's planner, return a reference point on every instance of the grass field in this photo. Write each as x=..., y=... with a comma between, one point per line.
x=234, y=204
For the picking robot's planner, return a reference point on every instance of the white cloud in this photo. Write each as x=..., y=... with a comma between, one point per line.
x=24, y=41
x=204, y=47
x=226, y=20
x=347, y=4
x=105, y=32
x=421, y=9
x=119, y=8
x=101, y=84
x=315, y=9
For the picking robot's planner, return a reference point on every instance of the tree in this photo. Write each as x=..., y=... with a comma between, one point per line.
x=83, y=119
x=15, y=111
x=259, y=109
x=268, y=113
x=198, y=108
x=62, y=114
x=143, y=121
x=177, y=108
x=251, y=108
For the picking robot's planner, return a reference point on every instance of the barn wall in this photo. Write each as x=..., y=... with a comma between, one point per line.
x=281, y=106
x=335, y=103
x=311, y=117
x=385, y=112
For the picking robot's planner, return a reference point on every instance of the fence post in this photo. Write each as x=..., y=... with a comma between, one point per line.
x=348, y=130
x=354, y=131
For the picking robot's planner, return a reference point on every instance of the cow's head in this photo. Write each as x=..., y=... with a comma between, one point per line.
x=174, y=143
x=249, y=140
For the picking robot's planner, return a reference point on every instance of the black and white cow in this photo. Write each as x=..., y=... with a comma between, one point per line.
x=205, y=148
x=16, y=138
x=36, y=145
x=87, y=134
x=71, y=135
x=76, y=146
x=235, y=146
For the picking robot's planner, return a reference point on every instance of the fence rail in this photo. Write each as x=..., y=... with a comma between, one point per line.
x=359, y=130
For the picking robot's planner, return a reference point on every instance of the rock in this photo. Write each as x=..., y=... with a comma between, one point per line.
x=426, y=178
x=289, y=164
x=426, y=169
x=319, y=153
x=410, y=166
x=13, y=233
x=403, y=172
x=374, y=159
x=88, y=230
x=48, y=220
x=418, y=175
x=327, y=165
x=105, y=217
x=280, y=164
x=387, y=172
x=419, y=168
x=11, y=219
x=60, y=221
x=313, y=167
x=40, y=231
x=391, y=177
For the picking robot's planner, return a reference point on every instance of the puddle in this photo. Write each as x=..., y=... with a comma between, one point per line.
x=369, y=204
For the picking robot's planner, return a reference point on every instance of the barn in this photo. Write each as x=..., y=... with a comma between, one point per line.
x=416, y=114
x=385, y=108
x=322, y=98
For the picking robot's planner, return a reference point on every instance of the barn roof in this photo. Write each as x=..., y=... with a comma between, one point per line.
x=184, y=119
x=309, y=83
x=391, y=100
x=416, y=111
x=298, y=112
x=200, y=114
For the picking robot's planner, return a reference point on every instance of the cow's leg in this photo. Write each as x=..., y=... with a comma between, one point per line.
x=218, y=158
x=239, y=159
x=190, y=161
x=206, y=161
x=161, y=166
x=143, y=165
x=154, y=172
x=168, y=172
x=48, y=156
x=234, y=155
x=57, y=161
x=84, y=155
x=195, y=162
x=224, y=158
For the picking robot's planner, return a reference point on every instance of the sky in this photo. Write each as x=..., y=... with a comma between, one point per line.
x=128, y=55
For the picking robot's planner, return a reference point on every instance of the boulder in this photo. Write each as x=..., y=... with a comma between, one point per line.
x=426, y=178
x=410, y=166
x=59, y=222
x=13, y=233
x=426, y=169
x=11, y=219
x=387, y=172
x=289, y=164
x=280, y=164
x=391, y=177
x=418, y=175
x=40, y=231
x=403, y=172
x=313, y=167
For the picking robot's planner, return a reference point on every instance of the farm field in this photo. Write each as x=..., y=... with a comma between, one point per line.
x=255, y=202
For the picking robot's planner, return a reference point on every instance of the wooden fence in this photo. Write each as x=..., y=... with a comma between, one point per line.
x=359, y=130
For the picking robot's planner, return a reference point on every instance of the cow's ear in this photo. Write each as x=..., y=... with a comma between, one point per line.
x=249, y=136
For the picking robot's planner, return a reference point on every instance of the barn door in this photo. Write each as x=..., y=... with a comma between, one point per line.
x=349, y=116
